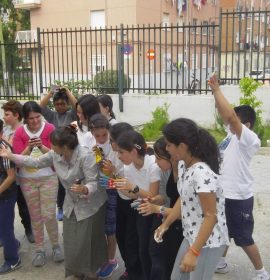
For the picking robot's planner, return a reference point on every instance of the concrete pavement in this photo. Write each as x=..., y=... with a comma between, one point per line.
x=240, y=266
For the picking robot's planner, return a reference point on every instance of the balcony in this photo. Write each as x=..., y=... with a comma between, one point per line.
x=27, y=4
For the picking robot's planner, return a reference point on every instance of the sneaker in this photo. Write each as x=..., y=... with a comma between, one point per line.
x=222, y=269
x=262, y=276
x=5, y=268
x=57, y=254
x=39, y=259
x=107, y=269
x=59, y=215
x=124, y=276
x=30, y=236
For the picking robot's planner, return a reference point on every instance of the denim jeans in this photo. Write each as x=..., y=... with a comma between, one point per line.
x=10, y=244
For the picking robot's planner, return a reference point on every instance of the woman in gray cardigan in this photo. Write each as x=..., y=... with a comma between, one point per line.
x=84, y=205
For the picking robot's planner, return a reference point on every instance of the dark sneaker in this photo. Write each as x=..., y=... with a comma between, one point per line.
x=124, y=276
x=59, y=215
x=30, y=236
x=107, y=269
x=5, y=268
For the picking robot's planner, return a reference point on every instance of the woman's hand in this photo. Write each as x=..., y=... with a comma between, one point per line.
x=159, y=233
x=5, y=152
x=34, y=142
x=188, y=262
x=148, y=208
x=107, y=167
x=79, y=189
x=122, y=184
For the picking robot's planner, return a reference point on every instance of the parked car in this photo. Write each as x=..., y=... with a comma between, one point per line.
x=260, y=74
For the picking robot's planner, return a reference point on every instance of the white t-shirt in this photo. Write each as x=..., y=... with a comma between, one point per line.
x=236, y=179
x=199, y=178
x=149, y=173
x=85, y=137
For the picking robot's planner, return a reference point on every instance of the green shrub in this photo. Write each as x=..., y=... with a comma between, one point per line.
x=248, y=86
x=107, y=82
x=152, y=130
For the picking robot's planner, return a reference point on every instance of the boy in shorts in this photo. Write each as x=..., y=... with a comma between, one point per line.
x=237, y=150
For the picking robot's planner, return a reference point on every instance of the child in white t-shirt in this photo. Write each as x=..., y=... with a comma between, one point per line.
x=237, y=149
x=142, y=178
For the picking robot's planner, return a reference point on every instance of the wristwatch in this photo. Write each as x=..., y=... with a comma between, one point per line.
x=135, y=190
x=162, y=211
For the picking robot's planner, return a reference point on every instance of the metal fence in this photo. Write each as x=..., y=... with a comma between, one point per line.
x=138, y=59
x=244, y=47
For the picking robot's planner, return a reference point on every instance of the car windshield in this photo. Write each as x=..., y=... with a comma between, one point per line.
x=256, y=72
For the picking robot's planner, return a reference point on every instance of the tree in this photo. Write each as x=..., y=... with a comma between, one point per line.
x=12, y=20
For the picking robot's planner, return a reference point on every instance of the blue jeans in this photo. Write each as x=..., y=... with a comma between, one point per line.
x=10, y=244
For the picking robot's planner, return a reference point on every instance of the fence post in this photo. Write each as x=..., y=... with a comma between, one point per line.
x=120, y=65
x=3, y=58
x=39, y=61
x=219, y=42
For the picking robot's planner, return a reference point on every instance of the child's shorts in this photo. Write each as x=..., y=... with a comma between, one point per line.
x=110, y=216
x=240, y=220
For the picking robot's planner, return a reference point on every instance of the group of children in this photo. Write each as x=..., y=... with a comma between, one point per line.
x=171, y=209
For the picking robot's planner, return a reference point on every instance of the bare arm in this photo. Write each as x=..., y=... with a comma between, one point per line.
x=224, y=108
x=45, y=99
x=8, y=181
x=208, y=204
x=72, y=99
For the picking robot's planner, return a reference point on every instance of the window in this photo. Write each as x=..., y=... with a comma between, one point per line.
x=205, y=27
x=180, y=22
x=97, y=19
x=166, y=20
x=98, y=63
x=194, y=25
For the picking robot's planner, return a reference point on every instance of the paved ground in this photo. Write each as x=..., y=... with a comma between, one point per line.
x=240, y=266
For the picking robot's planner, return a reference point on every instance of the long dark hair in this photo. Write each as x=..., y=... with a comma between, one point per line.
x=130, y=140
x=106, y=101
x=65, y=136
x=160, y=149
x=90, y=106
x=199, y=141
x=28, y=107
x=117, y=129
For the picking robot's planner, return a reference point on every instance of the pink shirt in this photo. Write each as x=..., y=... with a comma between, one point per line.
x=20, y=142
x=21, y=138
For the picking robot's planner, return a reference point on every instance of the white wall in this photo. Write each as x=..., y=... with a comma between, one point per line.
x=138, y=108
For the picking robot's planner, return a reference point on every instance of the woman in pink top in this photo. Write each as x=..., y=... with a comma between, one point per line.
x=39, y=186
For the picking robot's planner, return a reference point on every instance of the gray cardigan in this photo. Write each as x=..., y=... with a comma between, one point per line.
x=81, y=166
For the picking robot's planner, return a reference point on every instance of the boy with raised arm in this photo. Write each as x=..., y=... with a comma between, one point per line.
x=237, y=150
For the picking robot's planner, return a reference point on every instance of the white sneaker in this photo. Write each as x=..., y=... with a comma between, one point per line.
x=222, y=269
x=262, y=276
